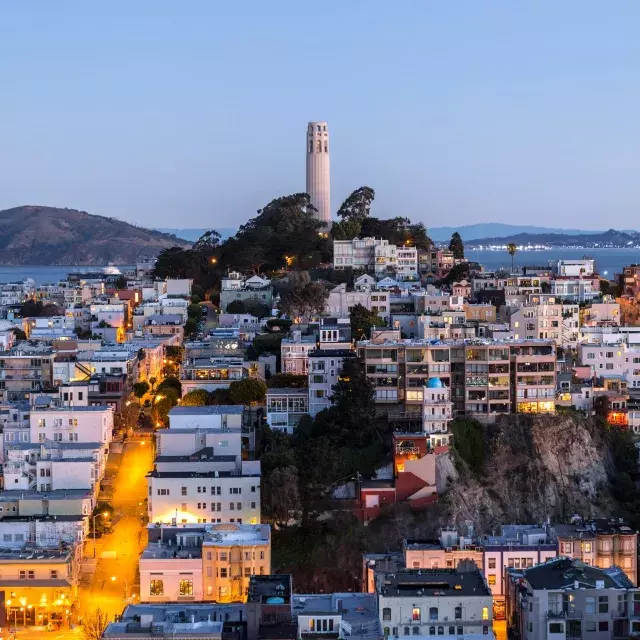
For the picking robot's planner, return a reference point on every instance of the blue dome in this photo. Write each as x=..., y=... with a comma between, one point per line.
x=435, y=383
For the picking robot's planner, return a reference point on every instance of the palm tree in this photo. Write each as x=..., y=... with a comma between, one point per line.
x=511, y=250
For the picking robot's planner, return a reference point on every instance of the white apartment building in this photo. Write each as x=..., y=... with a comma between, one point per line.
x=54, y=465
x=285, y=407
x=549, y=321
x=325, y=367
x=574, y=268
x=359, y=254
x=406, y=263
x=430, y=602
x=612, y=359
x=189, y=497
x=294, y=353
x=72, y=424
x=179, y=287
x=112, y=314
x=45, y=532
x=575, y=290
x=341, y=301
x=437, y=409
x=224, y=417
x=199, y=476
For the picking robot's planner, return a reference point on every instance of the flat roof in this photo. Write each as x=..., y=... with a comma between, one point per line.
x=56, y=494
x=434, y=582
x=202, y=474
x=360, y=610
x=288, y=391
x=97, y=408
x=273, y=585
x=210, y=410
x=588, y=530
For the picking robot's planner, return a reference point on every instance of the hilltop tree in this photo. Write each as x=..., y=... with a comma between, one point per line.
x=456, y=246
x=511, y=250
x=362, y=321
x=346, y=229
x=304, y=302
x=357, y=206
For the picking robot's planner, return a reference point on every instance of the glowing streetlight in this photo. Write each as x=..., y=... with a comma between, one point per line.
x=113, y=578
x=213, y=260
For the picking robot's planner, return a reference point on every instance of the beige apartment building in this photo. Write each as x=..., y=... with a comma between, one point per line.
x=600, y=543
x=24, y=370
x=231, y=554
x=486, y=377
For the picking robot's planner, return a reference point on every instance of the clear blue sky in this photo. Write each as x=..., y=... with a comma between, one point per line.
x=193, y=113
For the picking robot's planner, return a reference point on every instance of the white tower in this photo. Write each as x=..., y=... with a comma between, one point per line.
x=436, y=407
x=318, y=180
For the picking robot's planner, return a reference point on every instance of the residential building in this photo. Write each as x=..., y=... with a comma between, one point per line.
x=584, y=267
x=565, y=598
x=336, y=615
x=285, y=407
x=164, y=325
x=189, y=621
x=629, y=280
x=270, y=608
x=43, y=532
x=25, y=369
x=485, y=377
x=294, y=353
x=575, y=290
x=451, y=602
x=437, y=410
x=325, y=367
x=39, y=583
x=600, y=543
x=340, y=301
x=359, y=254
x=72, y=424
x=406, y=263
x=53, y=465
x=232, y=553
x=237, y=287
x=211, y=373
x=203, y=562
x=179, y=287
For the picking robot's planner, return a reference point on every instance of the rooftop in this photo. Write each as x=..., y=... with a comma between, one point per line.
x=358, y=609
x=434, y=582
x=288, y=391
x=261, y=588
x=589, y=529
x=564, y=573
x=192, y=474
x=57, y=494
x=211, y=410
x=203, y=455
x=237, y=534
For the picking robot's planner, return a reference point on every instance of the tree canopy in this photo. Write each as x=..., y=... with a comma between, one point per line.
x=357, y=206
x=247, y=391
x=456, y=246
x=195, y=398
x=362, y=321
x=304, y=302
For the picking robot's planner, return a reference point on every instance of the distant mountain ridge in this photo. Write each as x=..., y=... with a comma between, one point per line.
x=194, y=234
x=611, y=238
x=496, y=230
x=41, y=235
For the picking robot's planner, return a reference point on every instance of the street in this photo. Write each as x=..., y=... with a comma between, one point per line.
x=116, y=577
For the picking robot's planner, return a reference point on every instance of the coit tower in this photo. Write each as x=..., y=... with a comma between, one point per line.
x=318, y=181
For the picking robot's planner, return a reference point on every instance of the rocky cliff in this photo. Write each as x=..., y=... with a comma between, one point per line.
x=534, y=468
x=50, y=236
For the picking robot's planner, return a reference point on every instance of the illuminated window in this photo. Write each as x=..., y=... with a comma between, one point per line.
x=415, y=614
x=156, y=588
x=186, y=587
x=485, y=613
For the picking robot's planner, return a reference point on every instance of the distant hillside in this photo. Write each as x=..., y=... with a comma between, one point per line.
x=193, y=234
x=49, y=236
x=611, y=238
x=495, y=230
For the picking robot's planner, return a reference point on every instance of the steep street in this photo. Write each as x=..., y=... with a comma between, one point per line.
x=116, y=577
